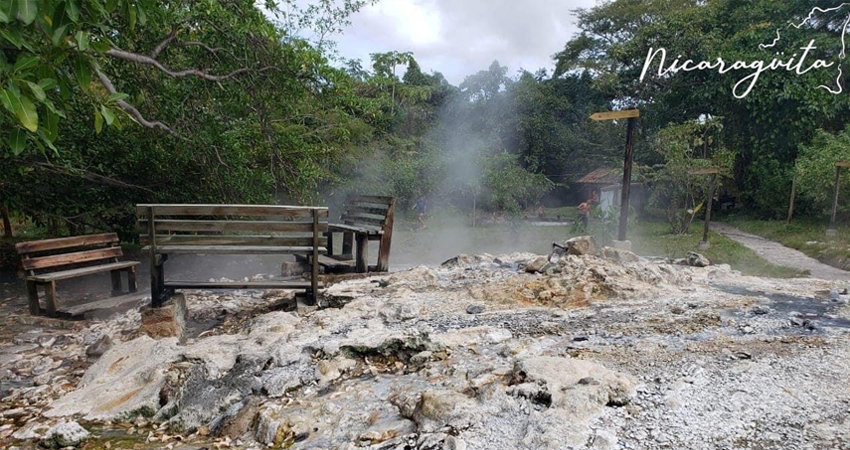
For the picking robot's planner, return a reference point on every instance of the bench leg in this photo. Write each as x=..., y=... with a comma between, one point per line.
x=50, y=301
x=131, y=279
x=362, y=253
x=158, y=282
x=330, y=235
x=32, y=290
x=116, y=281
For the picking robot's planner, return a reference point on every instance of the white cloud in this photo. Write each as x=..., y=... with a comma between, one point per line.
x=461, y=37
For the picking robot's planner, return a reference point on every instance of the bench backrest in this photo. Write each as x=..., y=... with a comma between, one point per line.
x=233, y=225
x=369, y=211
x=52, y=254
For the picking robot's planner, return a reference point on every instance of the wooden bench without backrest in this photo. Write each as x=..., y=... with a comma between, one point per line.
x=47, y=261
x=231, y=230
x=365, y=218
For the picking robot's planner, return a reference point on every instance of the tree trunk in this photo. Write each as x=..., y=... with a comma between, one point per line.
x=7, y=221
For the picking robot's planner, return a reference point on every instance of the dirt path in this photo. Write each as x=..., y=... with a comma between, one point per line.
x=778, y=254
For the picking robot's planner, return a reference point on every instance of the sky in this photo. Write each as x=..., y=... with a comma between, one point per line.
x=461, y=37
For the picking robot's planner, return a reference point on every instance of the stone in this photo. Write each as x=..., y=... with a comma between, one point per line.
x=618, y=255
x=475, y=309
x=760, y=310
x=697, y=260
x=65, y=434
x=537, y=265
x=582, y=245
x=32, y=430
x=99, y=347
x=168, y=321
x=622, y=245
x=237, y=420
x=439, y=408
x=290, y=269
x=461, y=260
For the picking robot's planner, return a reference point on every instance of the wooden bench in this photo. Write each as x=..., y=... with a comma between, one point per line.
x=363, y=219
x=231, y=230
x=51, y=260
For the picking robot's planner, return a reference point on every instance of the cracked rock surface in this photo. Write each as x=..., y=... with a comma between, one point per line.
x=582, y=352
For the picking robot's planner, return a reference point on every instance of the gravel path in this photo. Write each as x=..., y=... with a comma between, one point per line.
x=778, y=254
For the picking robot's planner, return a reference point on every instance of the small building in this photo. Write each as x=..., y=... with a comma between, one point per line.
x=604, y=186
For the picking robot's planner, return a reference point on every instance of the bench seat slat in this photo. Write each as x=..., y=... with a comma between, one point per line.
x=63, y=259
x=256, y=226
x=355, y=228
x=231, y=250
x=200, y=239
x=232, y=210
x=239, y=285
x=374, y=199
x=74, y=273
x=68, y=242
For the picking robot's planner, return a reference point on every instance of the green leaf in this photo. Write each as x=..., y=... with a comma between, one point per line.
x=82, y=70
x=110, y=5
x=73, y=10
x=25, y=62
x=47, y=83
x=27, y=11
x=100, y=46
x=118, y=96
x=143, y=16
x=82, y=41
x=27, y=114
x=59, y=34
x=52, y=108
x=131, y=13
x=9, y=100
x=98, y=121
x=37, y=91
x=51, y=126
x=5, y=6
x=107, y=114
x=12, y=35
x=18, y=141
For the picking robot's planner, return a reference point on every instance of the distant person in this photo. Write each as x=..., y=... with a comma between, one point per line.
x=541, y=212
x=421, y=208
x=584, y=212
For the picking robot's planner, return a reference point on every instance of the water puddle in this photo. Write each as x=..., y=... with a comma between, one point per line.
x=820, y=310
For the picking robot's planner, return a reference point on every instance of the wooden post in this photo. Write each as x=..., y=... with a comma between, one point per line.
x=156, y=283
x=32, y=291
x=793, y=197
x=835, y=198
x=116, y=281
x=386, y=240
x=131, y=280
x=627, y=180
x=362, y=253
x=314, y=278
x=50, y=301
x=710, y=201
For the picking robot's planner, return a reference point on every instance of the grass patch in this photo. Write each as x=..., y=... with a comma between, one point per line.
x=654, y=239
x=805, y=235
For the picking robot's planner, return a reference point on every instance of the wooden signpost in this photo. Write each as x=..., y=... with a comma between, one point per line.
x=710, y=201
x=838, y=167
x=632, y=115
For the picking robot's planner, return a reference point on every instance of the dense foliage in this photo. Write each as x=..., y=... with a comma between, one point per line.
x=107, y=103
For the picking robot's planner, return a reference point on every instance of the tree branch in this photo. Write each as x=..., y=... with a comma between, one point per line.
x=147, y=60
x=130, y=109
x=161, y=46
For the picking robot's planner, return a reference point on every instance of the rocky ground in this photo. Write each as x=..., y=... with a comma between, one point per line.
x=508, y=352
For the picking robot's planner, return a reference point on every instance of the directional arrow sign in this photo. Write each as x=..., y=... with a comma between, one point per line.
x=613, y=115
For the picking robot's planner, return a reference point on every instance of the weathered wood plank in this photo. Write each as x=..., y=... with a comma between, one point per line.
x=63, y=259
x=355, y=228
x=364, y=219
x=843, y=164
x=68, y=242
x=239, y=285
x=100, y=305
x=378, y=200
x=83, y=271
x=194, y=239
x=613, y=115
x=370, y=206
x=232, y=210
x=366, y=213
x=232, y=250
x=224, y=226
x=386, y=240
